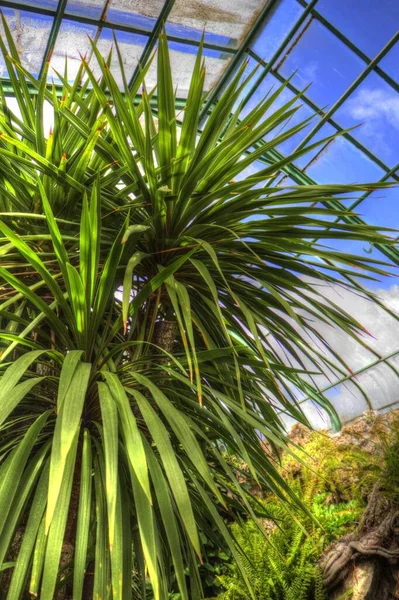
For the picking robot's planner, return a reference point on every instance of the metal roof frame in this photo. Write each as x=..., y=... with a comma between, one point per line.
x=238, y=55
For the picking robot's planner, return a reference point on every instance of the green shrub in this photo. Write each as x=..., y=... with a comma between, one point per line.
x=281, y=561
x=283, y=564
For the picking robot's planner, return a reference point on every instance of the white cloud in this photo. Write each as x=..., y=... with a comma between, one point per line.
x=374, y=104
x=308, y=73
x=379, y=109
x=379, y=383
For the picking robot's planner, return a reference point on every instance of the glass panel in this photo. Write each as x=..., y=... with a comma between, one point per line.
x=381, y=208
x=286, y=182
x=287, y=421
x=389, y=281
x=376, y=105
x=182, y=59
x=48, y=4
x=252, y=169
x=72, y=42
x=317, y=417
x=140, y=13
x=321, y=59
x=30, y=32
x=131, y=46
x=347, y=400
x=303, y=113
x=383, y=328
x=343, y=163
x=325, y=131
x=276, y=27
x=381, y=384
x=85, y=8
x=187, y=33
x=394, y=361
x=249, y=68
x=225, y=23
x=263, y=89
x=390, y=63
x=368, y=24
x=379, y=281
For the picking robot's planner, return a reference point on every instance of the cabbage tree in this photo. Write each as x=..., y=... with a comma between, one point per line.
x=151, y=286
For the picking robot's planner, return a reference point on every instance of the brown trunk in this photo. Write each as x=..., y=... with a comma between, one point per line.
x=366, y=560
x=165, y=335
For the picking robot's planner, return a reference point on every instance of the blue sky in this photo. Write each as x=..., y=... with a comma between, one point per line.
x=319, y=58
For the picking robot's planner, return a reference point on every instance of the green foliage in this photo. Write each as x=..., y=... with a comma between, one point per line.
x=335, y=520
x=148, y=286
x=281, y=560
x=390, y=474
x=350, y=465
x=342, y=470
x=283, y=566
x=216, y=563
x=280, y=567
x=382, y=464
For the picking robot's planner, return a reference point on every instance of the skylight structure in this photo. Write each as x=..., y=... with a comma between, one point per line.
x=345, y=55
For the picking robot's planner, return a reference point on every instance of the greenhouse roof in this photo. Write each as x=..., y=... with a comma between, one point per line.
x=347, y=50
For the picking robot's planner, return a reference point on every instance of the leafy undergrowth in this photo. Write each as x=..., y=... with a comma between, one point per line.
x=281, y=554
x=281, y=561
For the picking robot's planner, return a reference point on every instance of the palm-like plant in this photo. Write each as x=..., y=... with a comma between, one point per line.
x=147, y=287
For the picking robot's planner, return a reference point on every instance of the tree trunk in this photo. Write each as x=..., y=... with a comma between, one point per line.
x=366, y=561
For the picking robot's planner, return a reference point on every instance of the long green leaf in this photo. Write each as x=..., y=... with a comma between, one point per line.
x=110, y=434
x=66, y=431
x=30, y=536
x=172, y=468
x=83, y=518
x=57, y=526
x=16, y=467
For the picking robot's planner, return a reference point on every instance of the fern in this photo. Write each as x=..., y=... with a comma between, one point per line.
x=281, y=568
x=319, y=589
x=284, y=567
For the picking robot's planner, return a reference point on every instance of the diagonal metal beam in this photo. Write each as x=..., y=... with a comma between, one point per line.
x=53, y=34
x=239, y=56
x=152, y=40
x=331, y=121
x=102, y=19
x=350, y=89
x=351, y=45
x=270, y=63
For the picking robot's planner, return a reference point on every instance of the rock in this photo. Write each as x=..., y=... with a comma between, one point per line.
x=300, y=434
